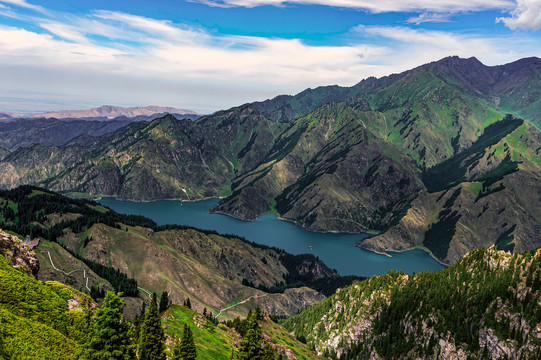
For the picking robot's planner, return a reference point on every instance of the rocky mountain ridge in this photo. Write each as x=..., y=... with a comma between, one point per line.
x=485, y=306
x=19, y=254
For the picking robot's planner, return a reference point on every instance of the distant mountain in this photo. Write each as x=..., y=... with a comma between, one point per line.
x=58, y=128
x=511, y=88
x=25, y=132
x=486, y=306
x=110, y=112
x=424, y=158
x=6, y=116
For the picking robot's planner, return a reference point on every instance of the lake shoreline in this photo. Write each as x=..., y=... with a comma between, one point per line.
x=403, y=251
x=335, y=249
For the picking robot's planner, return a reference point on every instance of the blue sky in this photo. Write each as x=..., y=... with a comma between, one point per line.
x=207, y=55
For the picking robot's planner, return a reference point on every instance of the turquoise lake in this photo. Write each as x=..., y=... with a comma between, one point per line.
x=335, y=249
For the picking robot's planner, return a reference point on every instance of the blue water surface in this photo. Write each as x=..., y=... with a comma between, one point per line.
x=335, y=249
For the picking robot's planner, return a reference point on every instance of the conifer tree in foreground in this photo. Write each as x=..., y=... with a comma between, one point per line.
x=152, y=337
x=138, y=322
x=186, y=349
x=110, y=339
x=188, y=303
x=251, y=345
x=164, y=301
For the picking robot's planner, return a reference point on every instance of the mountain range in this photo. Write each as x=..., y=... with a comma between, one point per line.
x=104, y=112
x=444, y=157
x=58, y=128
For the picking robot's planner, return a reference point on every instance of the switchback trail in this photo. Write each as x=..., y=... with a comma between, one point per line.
x=240, y=302
x=66, y=273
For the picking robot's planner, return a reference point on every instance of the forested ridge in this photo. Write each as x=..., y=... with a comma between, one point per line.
x=488, y=305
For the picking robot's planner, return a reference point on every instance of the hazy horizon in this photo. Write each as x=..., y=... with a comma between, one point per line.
x=206, y=55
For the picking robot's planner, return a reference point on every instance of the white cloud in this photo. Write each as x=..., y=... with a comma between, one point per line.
x=24, y=4
x=160, y=28
x=429, y=17
x=377, y=6
x=526, y=16
x=411, y=47
x=115, y=57
x=64, y=31
x=21, y=47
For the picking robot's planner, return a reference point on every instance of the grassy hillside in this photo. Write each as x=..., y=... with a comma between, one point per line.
x=488, y=194
x=484, y=306
x=48, y=320
x=38, y=320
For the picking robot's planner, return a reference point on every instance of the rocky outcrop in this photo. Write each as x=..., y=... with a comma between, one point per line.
x=487, y=305
x=19, y=254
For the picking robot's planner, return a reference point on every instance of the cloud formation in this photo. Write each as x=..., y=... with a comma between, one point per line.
x=376, y=6
x=24, y=4
x=429, y=17
x=526, y=16
x=118, y=57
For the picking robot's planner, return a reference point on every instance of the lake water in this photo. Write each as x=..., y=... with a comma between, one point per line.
x=335, y=249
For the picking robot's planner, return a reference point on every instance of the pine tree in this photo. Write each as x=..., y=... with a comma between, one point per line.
x=250, y=346
x=164, y=301
x=152, y=337
x=110, y=339
x=186, y=349
x=175, y=352
x=137, y=323
x=188, y=303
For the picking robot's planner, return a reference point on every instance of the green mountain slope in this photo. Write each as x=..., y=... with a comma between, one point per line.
x=512, y=88
x=484, y=306
x=38, y=320
x=488, y=194
x=48, y=320
x=309, y=177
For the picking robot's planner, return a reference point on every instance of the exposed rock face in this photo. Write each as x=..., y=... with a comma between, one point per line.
x=489, y=306
x=19, y=254
x=292, y=301
x=280, y=349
